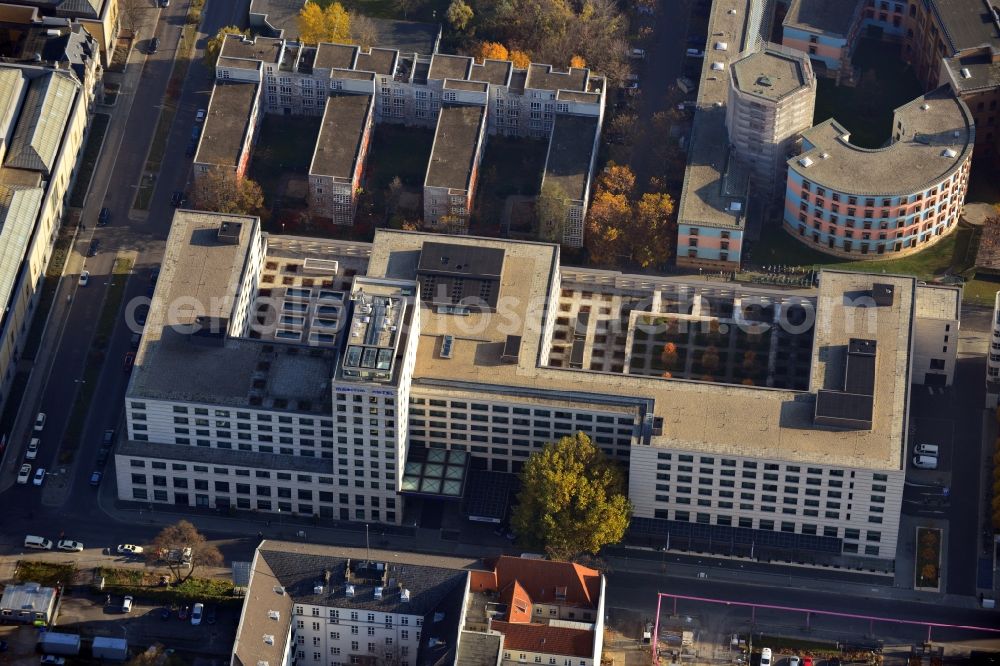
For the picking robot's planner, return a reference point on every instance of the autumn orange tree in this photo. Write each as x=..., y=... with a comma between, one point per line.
x=577, y=61
x=318, y=24
x=616, y=179
x=492, y=51
x=221, y=191
x=621, y=229
x=669, y=355
x=607, y=222
x=521, y=59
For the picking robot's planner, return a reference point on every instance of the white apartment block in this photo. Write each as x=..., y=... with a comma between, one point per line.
x=357, y=376
x=935, y=334
x=331, y=606
x=418, y=90
x=43, y=123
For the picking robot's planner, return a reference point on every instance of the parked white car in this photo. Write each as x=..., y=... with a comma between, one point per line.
x=84, y=278
x=32, y=451
x=925, y=462
x=129, y=549
x=765, y=657
x=39, y=476
x=926, y=449
x=196, y=613
x=70, y=546
x=40, y=421
x=24, y=473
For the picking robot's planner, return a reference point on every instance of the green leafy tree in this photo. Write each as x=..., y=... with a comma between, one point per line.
x=214, y=45
x=572, y=499
x=459, y=14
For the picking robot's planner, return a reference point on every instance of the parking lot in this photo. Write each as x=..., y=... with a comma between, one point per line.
x=938, y=432
x=91, y=615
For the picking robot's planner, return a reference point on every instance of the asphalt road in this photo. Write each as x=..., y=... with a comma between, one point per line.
x=664, y=63
x=78, y=308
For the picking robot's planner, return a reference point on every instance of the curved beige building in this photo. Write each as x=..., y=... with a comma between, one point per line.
x=867, y=203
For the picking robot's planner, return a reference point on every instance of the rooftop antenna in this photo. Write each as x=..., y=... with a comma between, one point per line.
x=368, y=545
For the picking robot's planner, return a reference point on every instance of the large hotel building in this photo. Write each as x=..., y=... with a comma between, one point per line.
x=339, y=380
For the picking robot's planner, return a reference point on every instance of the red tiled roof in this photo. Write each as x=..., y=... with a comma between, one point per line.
x=546, y=639
x=518, y=601
x=540, y=578
x=481, y=581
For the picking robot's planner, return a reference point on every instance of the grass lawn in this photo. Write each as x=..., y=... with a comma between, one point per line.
x=866, y=110
x=282, y=147
x=144, y=194
x=953, y=254
x=146, y=584
x=98, y=127
x=45, y=573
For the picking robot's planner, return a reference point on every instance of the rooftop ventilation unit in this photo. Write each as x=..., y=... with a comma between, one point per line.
x=824, y=156
x=948, y=152
x=966, y=74
x=806, y=161
x=349, y=590
x=736, y=206
x=317, y=589
x=269, y=639
x=718, y=66
x=378, y=592
x=274, y=615
x=924, y=106
x=279, y=590
x=764, y=81
x=721, y=46
x=447, y=346
x=404, y=595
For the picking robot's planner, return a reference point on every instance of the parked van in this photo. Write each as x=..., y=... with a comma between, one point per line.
x=37, y=542
x=925, y=462
x=926, y=449
x=765, y=657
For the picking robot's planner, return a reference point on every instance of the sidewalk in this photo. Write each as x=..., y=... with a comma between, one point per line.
x=247, y=524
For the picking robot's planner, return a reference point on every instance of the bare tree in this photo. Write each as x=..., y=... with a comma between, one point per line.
x=130, y=13
x=181, y=546
x=363, y=31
